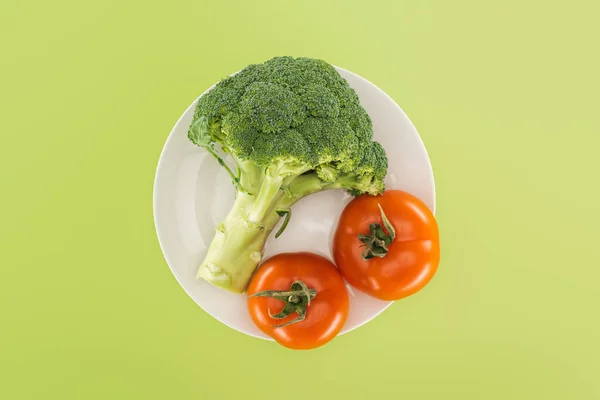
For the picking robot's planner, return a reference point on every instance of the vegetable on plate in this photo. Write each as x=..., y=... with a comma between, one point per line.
x=290, y=127
x=298, y=299
x=387, y=246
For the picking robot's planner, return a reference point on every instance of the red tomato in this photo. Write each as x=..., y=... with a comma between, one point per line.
x=395, y=268
x=324, y=316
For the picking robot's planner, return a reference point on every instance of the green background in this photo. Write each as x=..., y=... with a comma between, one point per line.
x=505, y=97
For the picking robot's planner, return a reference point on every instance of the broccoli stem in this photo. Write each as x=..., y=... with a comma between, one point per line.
x=237, y=248
x=265, y=199
x=305, y=185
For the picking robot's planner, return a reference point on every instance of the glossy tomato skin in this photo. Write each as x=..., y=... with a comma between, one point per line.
x=413, y=256
x=327, y=312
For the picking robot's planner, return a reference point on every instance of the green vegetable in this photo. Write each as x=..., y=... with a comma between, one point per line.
x=292, y=126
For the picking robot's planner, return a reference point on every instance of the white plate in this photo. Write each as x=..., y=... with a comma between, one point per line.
x=192, y=194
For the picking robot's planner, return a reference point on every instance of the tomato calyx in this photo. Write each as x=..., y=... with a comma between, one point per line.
x=377, y=241
x=297, y=300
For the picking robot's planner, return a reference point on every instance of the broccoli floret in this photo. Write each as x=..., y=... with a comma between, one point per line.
x=292, y=127
x=319, y=101
x=271, y=108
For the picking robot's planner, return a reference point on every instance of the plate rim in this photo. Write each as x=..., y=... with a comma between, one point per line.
x=161, y=240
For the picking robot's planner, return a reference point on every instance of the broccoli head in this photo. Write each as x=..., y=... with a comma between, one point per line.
x=291, y=127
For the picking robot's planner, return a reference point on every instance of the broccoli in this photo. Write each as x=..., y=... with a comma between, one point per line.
x=292, y=127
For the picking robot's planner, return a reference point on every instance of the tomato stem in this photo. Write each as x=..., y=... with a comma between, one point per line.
x=377, y=241
x=297, y=300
